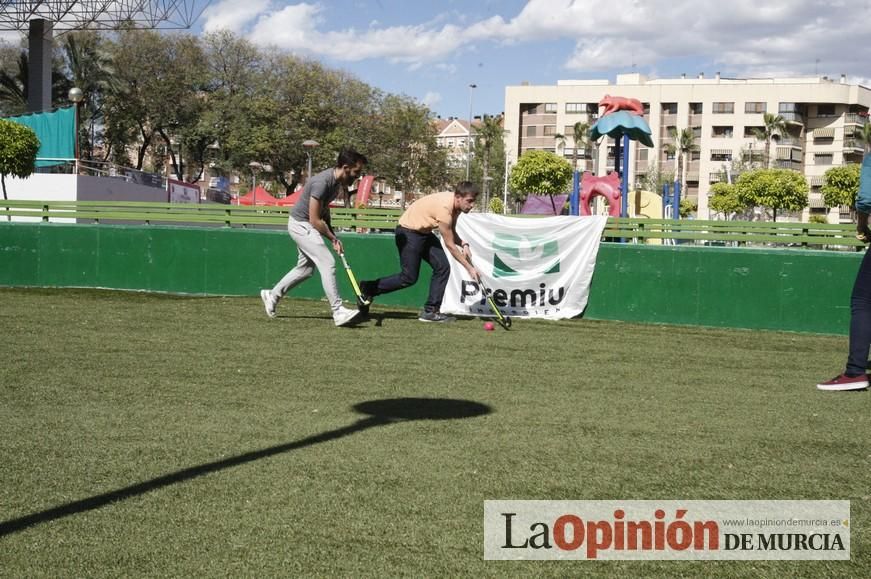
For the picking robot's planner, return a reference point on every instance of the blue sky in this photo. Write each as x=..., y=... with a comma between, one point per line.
x=433, y=49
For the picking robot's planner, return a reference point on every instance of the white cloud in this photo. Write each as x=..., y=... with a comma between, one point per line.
x=741, y=37
x=292, y=28
x=431, y=99
x=233, y=15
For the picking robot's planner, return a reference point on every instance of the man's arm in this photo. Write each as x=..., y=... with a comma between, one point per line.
x=314, y=217
x=463, y=256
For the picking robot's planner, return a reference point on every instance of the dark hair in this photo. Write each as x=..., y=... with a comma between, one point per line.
x=466, y=188
x=350, y=157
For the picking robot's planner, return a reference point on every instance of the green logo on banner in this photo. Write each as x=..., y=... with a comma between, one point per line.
x=516, y=248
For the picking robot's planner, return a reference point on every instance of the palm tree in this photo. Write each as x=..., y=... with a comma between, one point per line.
x=560, y=141
x=581, y=135
x=863, y=135
x=90, y=69
x=684, y=144
x=772, y=125
x=489, y=132
x=13, y=88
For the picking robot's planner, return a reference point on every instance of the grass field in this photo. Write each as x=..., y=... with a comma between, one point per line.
x=178, y=436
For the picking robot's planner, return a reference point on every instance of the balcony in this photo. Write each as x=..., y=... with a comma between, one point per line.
x=695, y=120
x=793, y=117
x=853, y=145
x=855, y=119
x=790, y=142
x=668, y=120
x=786, y=164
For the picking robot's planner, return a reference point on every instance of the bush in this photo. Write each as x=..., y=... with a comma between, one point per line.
x=18, y=147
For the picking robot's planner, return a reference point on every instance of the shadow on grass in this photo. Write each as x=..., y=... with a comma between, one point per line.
x=375, y=317
x=379, y=413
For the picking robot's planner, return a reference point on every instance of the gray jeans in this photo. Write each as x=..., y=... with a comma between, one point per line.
x=313, y=253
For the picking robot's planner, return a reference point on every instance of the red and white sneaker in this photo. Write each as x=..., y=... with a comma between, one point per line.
x=844, y=382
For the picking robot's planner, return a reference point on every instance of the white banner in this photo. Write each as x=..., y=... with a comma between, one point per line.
x=181, y=192
x=536, y=267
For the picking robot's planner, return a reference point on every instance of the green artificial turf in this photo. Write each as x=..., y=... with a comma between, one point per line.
x=181, y=436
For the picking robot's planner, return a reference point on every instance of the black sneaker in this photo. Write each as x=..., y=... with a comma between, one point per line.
x=364, y=300
x=363, y=303
x=439, y=317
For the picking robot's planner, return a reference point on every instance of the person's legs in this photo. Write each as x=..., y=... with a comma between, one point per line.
x=436, y=257
x=854, y=376
x=311, y=243
x=303, y=270
x=411, y=246
x=860, y=320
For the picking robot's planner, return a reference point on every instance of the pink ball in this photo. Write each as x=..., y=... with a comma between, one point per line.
x=489, y=326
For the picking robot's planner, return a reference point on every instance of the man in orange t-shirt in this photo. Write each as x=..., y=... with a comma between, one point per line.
x=416, y=242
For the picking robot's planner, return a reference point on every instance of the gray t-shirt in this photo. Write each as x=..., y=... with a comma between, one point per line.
x=325, y=187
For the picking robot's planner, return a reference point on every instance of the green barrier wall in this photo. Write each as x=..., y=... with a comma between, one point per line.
x=781, y=289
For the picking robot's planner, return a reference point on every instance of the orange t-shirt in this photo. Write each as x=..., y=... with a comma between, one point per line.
x=426, y=213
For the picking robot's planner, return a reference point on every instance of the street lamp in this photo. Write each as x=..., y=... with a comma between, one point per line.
x=76, y=96
x=309, y=146
x=505, y=188
x=469, y=140
x=254, y=165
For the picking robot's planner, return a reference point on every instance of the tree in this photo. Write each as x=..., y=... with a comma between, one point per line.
x=684, y=144
x=863, y=136
x=841, y=185
x=13, y=87
x=688, y=206
x=724, y=200
x=159, y=89
x=404, y=150
x=560, y=141
x=18, y=147
x=541, y=172
x=13, y=83
x=773, y=188
x=773, y=125
x=89, y=68
x=488, y=159
x=581, y=137
x=655, y=179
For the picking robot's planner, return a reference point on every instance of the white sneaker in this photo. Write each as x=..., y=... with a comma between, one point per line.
x=269, y=302
x=343, y=316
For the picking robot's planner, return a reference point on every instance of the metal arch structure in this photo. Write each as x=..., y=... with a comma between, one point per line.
x=66, y=15
x=42, y=17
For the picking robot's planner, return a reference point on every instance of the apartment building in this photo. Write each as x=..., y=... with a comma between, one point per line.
x=822, y=116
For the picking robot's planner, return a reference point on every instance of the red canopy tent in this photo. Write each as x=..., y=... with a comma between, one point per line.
x=291, y=199
x=258, y=196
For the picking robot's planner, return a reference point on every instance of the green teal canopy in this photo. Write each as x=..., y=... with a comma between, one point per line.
x=56, y=131
x=621, y=123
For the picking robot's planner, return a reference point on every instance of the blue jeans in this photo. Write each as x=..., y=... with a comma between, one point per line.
x=413, y=248
x=860, y=319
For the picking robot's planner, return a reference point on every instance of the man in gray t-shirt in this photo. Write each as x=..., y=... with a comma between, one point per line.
x=324, y=187
x=308, y=225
